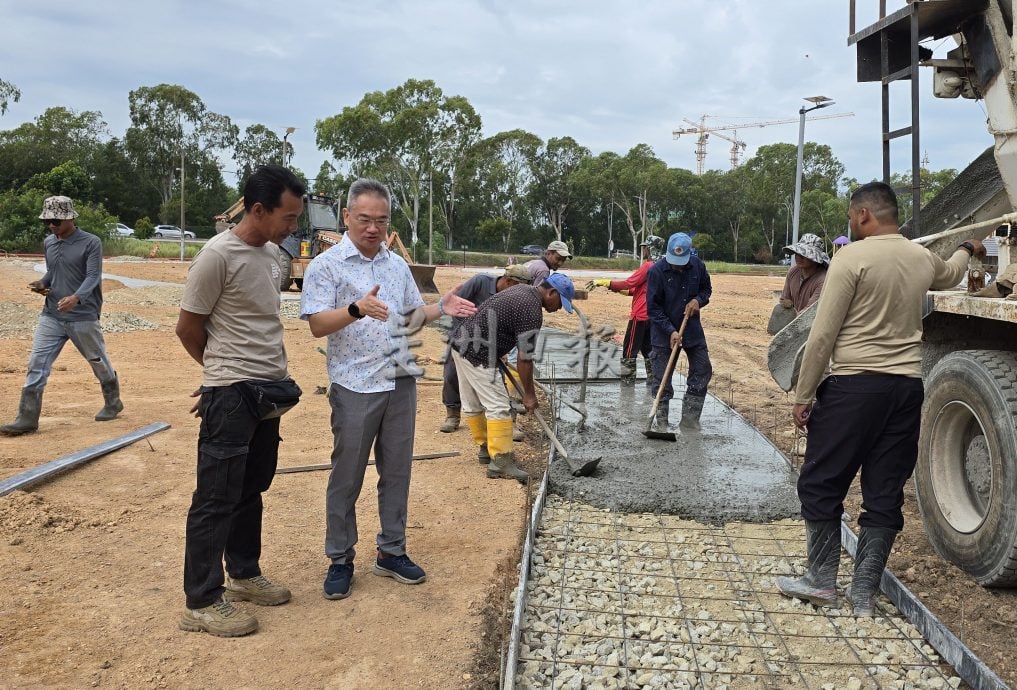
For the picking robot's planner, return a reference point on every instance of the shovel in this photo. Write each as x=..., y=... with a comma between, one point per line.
x=578, y=468
x=665, y=435
x=580, y=406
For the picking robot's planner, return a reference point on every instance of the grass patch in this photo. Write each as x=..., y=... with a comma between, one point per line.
x=164, y=249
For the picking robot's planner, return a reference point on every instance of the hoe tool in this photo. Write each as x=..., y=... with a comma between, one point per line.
x=668, y=371
x=578, y=468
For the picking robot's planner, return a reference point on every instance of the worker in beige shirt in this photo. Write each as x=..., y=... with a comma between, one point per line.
x=865, y=415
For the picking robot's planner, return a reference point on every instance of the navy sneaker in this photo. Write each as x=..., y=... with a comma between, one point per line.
x=401, y=568
x=339, y=581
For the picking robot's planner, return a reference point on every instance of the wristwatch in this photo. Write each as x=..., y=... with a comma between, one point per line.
x=354, y=311
x=968, y=246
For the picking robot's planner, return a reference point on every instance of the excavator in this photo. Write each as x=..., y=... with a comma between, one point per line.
x=966, y=477
x=318, y=231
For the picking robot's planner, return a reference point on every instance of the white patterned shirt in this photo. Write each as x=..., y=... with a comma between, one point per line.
x=362, y=357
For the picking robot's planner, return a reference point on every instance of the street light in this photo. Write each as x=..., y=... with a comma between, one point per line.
x=819, y=102
x=289, y=131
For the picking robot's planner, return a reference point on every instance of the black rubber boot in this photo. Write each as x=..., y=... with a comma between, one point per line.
x=628, y=370
x=662, y=411
x=483, y=457
x=110, y=394
x=692, y=408
x=650, y=388
x=28, y=414
x=874, y=544
x=818, y=585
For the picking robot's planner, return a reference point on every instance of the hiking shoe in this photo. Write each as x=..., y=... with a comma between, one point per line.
x=222, y=619
x=400, y=568
x=339, y=581
x=257, y=590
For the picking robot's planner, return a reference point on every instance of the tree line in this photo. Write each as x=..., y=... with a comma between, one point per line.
x=485, y=193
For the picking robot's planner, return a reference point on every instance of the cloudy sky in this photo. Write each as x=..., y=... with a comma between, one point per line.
x=610, y=74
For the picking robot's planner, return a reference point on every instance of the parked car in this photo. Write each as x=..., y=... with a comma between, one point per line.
x=121, y=230
x=532, y=249
x=171, y=231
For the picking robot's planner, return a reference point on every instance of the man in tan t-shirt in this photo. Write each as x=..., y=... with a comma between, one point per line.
x=866, y=414
x=229, y=323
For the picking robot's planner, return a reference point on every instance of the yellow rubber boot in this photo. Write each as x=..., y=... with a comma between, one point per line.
x=478, y=429
x=499, y=443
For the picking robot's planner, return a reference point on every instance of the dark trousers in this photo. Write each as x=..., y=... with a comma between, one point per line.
x=450, y=387
x=237, y=457
x=868, y=422
x=700, y=371
x=637, y=340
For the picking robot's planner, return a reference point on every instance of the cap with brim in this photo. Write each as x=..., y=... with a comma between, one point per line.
x=566, y=290
x=679, y=249
x=811, y=247
x=518, y=272
x=560, y=247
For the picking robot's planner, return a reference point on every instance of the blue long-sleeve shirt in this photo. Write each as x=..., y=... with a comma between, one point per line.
x=74, y=267
x=669, y=290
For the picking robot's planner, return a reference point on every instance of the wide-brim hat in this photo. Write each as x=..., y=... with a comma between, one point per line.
x=58, y=208
x=811, y=247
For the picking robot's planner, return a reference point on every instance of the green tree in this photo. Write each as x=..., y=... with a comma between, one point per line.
x=57, y=136
x=20, y=227
x=169, y=120
x=553, y=189
x=932, y=183
x=143, y=228
x=495, y=232
x=259, y=146
x=8, y=92
x=401, y=136
x=503, y=169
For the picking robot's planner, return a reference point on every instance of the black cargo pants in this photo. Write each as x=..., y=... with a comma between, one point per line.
x=237, y=457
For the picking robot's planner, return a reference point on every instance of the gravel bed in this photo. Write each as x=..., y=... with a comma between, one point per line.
x=623, y=600
x=18, y=321
x=151, y=296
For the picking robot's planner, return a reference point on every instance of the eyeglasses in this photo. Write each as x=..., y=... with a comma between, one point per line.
x=52, y=221
x=380, y=223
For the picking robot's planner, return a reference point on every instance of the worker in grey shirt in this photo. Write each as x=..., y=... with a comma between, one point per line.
x=73, y=289
x=477, y=290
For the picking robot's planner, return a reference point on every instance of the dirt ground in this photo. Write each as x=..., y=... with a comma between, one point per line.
x=90, y=563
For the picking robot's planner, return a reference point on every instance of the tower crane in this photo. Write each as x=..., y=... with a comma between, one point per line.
x=703, y=133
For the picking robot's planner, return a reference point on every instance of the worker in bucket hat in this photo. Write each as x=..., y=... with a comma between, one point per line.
x=73, y=289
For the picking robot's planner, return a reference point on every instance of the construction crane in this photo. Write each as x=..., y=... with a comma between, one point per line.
x=703, y=133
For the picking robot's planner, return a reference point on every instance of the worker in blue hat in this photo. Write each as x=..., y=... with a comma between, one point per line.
x=679, y=285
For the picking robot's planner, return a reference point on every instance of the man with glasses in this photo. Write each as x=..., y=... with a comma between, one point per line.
x=73, y=289
x=363, y=298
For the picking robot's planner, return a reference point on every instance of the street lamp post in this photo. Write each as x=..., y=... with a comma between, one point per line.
x=430, y=219
x=289, y=131
x=819, y=102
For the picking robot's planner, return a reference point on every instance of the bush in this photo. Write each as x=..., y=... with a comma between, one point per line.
x=143, y=228
x=22, y=231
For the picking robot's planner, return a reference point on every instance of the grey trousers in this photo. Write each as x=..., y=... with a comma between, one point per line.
x=385, y=421
x=50, y=337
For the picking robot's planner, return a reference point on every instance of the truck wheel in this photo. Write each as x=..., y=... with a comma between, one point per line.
x=966, y=475
x=284, y=270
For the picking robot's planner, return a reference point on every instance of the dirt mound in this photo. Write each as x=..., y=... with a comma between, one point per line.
x=23, y=514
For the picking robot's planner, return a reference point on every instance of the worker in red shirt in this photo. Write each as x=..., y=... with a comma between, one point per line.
x=637, y=332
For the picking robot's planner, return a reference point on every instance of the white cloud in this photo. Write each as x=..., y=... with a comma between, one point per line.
x=608, y=73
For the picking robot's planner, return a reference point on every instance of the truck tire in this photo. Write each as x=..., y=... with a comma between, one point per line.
x=284, y=270
x=966, y=477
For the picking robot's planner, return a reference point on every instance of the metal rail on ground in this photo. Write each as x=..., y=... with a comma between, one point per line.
x=48, y=470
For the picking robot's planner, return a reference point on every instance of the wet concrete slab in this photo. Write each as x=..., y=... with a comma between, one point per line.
x=728, y=471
